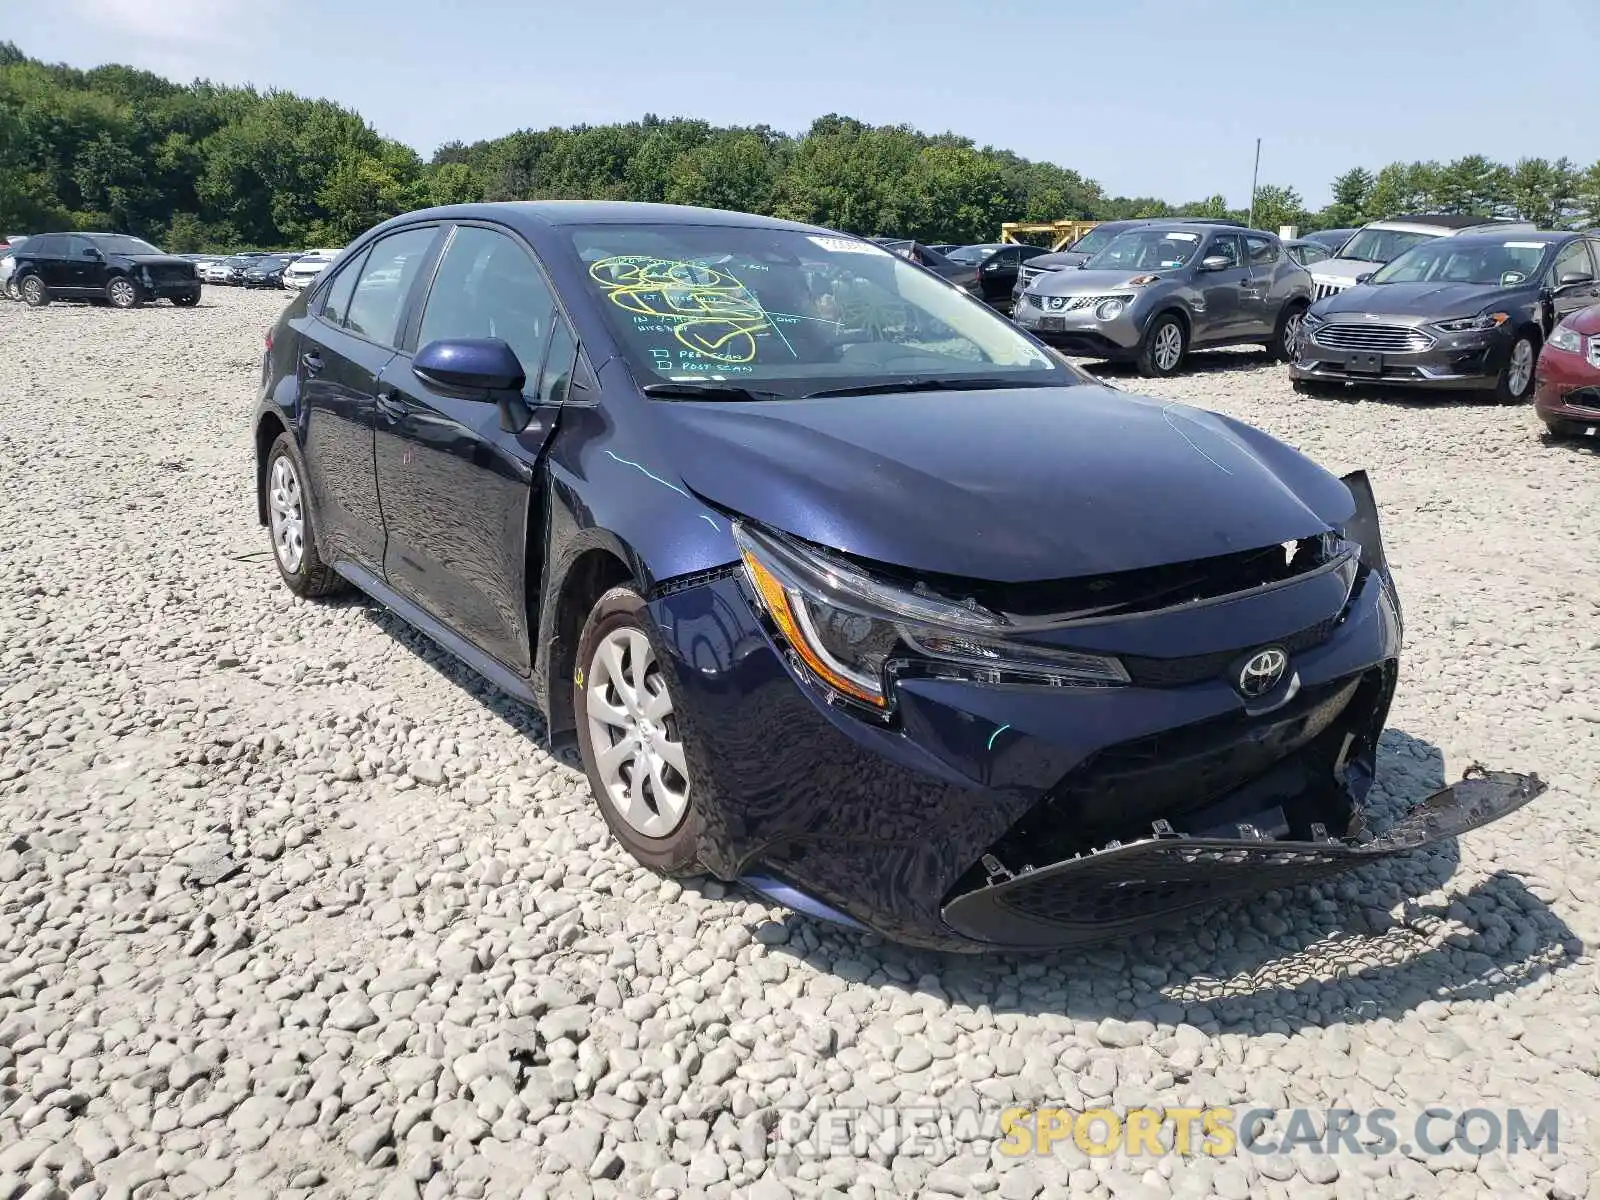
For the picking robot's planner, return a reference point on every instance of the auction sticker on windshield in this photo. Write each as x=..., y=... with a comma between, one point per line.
x=845, y=245
x=1522, y=245
x=1180, y=237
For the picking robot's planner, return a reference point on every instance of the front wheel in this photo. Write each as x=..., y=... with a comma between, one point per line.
x=1162, y=349
x=631, y=733
x=1516, y=380
x=123, y=293
x=34, y=293
x=1285, y=343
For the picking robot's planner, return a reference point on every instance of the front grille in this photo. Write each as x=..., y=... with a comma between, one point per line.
x=1329, y=289
x=1197, y=668
x=1372, y=336
x=1588, y=397
x=172, y=274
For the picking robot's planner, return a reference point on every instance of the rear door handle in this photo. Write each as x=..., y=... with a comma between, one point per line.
x=312, y=361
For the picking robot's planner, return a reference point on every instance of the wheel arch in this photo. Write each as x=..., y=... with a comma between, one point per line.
x=268, y=428
x=595, y=566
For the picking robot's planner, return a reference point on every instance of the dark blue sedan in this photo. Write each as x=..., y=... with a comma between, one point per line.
x=844, y=586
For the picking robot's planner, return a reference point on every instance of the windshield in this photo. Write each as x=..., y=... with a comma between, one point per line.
x=1146, y=250
x=1094, y=241
x=1448, y=260
x=121, y=243
x=788, y=312
x=1382, y=245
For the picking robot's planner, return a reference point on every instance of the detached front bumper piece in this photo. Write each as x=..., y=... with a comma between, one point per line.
x=1124, y=887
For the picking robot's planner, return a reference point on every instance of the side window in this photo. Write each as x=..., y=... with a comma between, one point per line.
x=488, y=286
x=1010, y=256
x=386, y=277
x=336, y=298
x=558, y=364
x=1573, y=259
x=1315, y=254
x=76, y=246
x=50, y=245
x=1263, y=250
x=1226, y=245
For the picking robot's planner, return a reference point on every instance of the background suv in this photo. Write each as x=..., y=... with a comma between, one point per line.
x=1158, y=290
x=1384, y=241
x=123, y=270
x=1091, y=243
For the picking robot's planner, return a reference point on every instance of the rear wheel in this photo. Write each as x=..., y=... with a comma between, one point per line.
x=631, y=733
x=294, y=544
x=188, y=300
x=123, y=292
x=1162, y=349
x=33, y=291
x=1516, y=379
x=1285, y=343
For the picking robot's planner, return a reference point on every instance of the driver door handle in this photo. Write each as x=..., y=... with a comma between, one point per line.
x=312, y=361
x=389, y=403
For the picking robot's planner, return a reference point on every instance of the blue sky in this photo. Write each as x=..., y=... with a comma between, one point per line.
x=1148, y=98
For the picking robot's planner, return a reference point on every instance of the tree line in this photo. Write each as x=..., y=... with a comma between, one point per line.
x=202, y=166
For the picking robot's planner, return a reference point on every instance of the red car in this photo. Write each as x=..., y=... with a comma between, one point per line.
x=1567, y=395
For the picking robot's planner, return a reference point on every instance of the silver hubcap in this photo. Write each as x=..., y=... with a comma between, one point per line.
x=33, y=289
x=1521, y=369
x=1291, y=334
x=1169, y=346
x=634, y=735
x=288, y=518
x=122, y=293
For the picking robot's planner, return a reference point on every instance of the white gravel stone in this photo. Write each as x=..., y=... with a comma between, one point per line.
x=292, y=903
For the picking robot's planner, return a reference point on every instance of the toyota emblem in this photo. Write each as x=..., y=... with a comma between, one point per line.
x=1263, y=672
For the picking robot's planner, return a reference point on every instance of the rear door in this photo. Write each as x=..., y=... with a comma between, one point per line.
x=47, y=254
x=1263, y=297
x=1221, y=292
x=456, y=482
x=347, y=338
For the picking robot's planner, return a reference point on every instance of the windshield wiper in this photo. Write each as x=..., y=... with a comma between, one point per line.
x=931, y=385
x=689, y=390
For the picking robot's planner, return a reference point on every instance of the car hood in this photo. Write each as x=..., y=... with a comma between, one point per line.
x=1433, y=301
x=1091, y=283
x=1057, y=260
x=1008, y=486
x=1341, y=270
x=155, y=260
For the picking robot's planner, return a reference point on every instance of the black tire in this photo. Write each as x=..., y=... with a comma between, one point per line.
x=122, y=292
x=1153, y=360
x=1285, y=343
x=33, y=291
x=188, y=300
x=675, y=852
x=308, y=576
x=1505, y=390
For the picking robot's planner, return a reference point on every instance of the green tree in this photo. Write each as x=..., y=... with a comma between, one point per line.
x=1277, y=206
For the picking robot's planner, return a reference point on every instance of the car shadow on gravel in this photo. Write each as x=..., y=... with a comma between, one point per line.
x=1198, y=362
x=1314, y=955
x=1571, y=442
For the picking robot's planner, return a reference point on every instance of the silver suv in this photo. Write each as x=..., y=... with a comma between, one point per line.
x=1380, y=242
x=1155, y=292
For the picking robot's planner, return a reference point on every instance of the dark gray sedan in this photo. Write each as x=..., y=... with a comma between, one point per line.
x=1160, y=290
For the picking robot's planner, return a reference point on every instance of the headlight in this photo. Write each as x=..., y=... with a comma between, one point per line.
x=1468, y=324
x=1311, y=321
x=1110, y=310
x=852, y=631
x=1563, y=338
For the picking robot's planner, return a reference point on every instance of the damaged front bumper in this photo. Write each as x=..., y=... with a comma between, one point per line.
x=1126, y=886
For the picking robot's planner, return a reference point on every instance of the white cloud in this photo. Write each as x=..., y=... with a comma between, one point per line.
x=176, y=24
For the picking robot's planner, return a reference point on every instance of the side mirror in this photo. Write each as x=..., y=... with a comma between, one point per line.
x=1364, y=276
x=482, y=369
x=91, y=252
x=1215, y=262
x=475, y=368
x=1574, y=279
x=991, y=266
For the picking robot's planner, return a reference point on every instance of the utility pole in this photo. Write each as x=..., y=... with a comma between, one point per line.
x=1254, y=178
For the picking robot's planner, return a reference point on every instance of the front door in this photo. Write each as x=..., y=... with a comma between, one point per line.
x=346, y=341
x=1574, y=259
x=85, y=267
x=456, y=483
x=1222, y=292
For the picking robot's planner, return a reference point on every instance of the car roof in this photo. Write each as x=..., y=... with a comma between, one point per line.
x=1489, y=237
x=1189, y=225
x=601, y=212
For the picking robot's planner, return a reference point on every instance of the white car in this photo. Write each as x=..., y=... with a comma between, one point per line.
x=213, y=271
x=1381, y=242
x=8, y=264
x=305, y=269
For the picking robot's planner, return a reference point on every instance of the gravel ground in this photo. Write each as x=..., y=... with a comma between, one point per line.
x=293, y=905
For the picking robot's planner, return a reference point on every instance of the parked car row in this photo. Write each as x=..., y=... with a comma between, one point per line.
x=842, y=586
